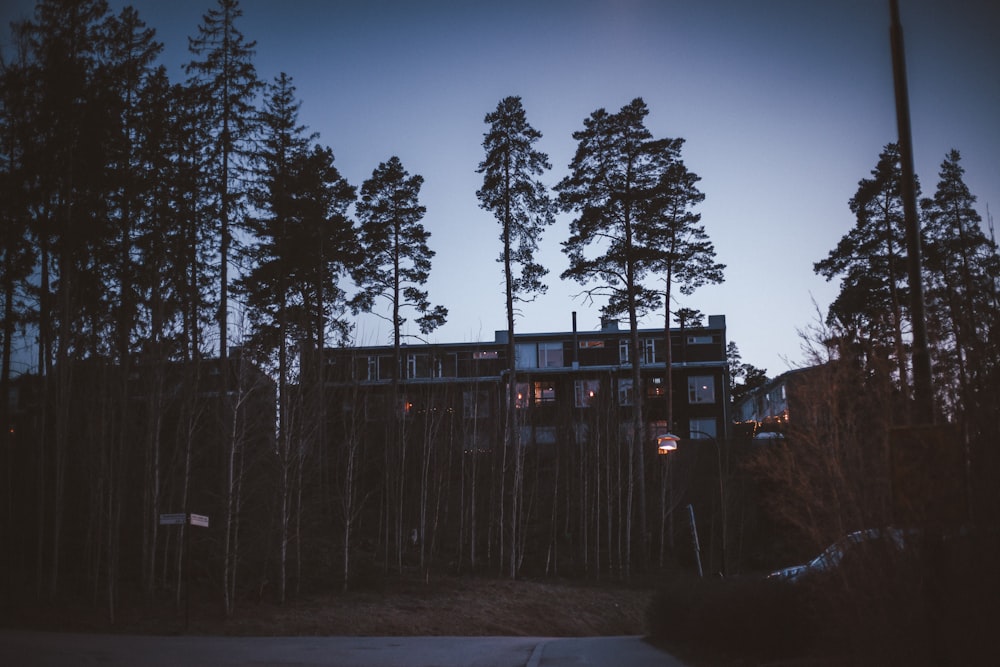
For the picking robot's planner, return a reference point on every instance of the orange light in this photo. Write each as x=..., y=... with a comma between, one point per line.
x=666, y=443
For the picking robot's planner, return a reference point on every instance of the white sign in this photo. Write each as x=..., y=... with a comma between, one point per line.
x=199, y=520
x=170, y=519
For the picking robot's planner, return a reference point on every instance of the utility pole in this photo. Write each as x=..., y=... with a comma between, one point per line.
x=923, y=397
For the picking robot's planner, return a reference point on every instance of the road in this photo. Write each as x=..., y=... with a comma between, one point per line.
x=40, y=649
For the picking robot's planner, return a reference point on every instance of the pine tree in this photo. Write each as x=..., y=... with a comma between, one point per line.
x=962, y=273
x=227, y=84
x=396, y=258
x=614, y=182
x=871, y=262
x=69, y=154
x=682, y=252
x=395, y=263
x=523, y=209
x=303, y=240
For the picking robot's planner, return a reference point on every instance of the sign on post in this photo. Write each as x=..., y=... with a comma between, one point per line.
x=173, y=519
x=199, y=520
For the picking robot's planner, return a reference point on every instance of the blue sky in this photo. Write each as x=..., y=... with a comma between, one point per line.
x=784, y=106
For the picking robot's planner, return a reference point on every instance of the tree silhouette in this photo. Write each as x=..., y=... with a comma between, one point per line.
x=522, y=207
x=614, y=187
x=227, y=85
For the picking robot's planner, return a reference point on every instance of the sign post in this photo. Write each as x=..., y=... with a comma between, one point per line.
x=182, y=519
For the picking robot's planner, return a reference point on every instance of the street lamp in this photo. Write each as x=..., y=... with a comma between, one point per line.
x=667, y=443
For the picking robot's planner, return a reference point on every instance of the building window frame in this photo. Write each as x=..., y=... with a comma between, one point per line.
x=585, y=392
x=543, y=392
x=626, y=392
x=550, y=355
x=701, y=389
x=699, y=427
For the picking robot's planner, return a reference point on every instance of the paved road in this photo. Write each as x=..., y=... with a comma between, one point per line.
x=38, y=649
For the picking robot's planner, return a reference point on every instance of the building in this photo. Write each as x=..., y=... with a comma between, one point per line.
x=563, y=380
x=768, y=408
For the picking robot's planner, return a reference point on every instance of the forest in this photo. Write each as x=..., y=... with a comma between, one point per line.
x=177, y=255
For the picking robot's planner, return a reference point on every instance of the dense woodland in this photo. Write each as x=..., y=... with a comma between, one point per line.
x=176, y=253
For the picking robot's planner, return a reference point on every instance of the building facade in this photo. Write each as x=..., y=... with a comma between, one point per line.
x=565, y=382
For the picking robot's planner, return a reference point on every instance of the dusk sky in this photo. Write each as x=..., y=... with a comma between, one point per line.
x=784, y=106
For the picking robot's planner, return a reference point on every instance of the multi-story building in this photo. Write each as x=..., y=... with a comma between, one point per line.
x=563, y=379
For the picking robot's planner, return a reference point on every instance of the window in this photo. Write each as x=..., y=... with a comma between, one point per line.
x=545, y=435
x=550, y=355
x=648, y=350
x=538, y=435
x=699, y=340
x=701, y=389
x=526, y=355
x=625, y=393
x=487, y=354
x=521, y=397
x=475, y=404
x=700, y=428
x=585, y=392
x=623, y=351
x=539, y=355
x=418, y=366
x=372, y=367
x=544, y=392
x=590, y=344
x=656, y=387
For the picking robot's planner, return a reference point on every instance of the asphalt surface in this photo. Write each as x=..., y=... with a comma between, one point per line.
x=41, y=649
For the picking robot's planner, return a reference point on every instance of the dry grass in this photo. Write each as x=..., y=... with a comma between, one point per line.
x=457, y=606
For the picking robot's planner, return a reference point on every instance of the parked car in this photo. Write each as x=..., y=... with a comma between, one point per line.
x=849, y=546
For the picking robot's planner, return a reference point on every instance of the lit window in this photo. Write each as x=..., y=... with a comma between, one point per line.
x=701, y=389
x=521, y=397
x=625, y=394
x=585, y=392
x=487, y=354
x=656, y=387
x=545, y=392
x=590, y=344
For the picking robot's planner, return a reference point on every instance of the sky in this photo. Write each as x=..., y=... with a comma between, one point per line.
x=784, y=105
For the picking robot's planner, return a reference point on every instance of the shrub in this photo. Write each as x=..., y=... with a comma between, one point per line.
x=750, y=618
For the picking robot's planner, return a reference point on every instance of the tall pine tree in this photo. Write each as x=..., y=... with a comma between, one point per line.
x=523, y=208
x=613, y=184
x=226, y=80
x=871, y=262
